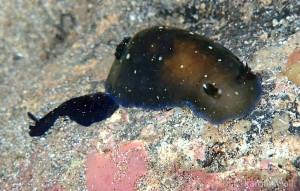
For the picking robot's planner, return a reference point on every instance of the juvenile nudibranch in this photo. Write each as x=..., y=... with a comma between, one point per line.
x=165, y=66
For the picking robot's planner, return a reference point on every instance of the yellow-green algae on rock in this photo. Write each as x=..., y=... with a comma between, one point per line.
x=293, y=67
x=293, y=73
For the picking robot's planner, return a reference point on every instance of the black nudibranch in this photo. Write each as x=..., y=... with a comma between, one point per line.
x=163, y=67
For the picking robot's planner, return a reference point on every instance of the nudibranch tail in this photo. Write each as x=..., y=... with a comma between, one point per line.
x=85, y=110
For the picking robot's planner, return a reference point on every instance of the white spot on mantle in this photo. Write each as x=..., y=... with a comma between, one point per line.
x=220, y=91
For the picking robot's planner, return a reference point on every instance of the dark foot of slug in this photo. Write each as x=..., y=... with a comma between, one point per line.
x=84, y=110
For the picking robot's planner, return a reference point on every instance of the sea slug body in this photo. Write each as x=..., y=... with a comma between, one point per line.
x=165, y=66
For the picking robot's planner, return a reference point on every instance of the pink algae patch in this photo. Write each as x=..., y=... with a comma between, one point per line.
x=199, y=150
x=118, y=169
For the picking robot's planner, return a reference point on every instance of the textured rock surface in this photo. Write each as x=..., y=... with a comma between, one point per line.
x=51, y=51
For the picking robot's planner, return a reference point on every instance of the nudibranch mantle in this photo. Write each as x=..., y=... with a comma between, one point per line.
x=164, y=66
